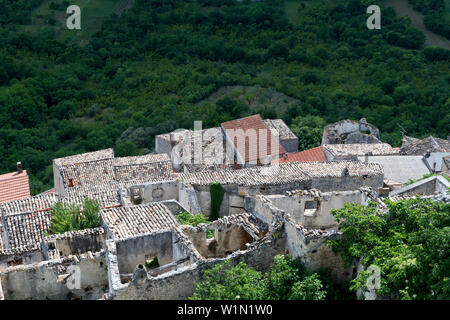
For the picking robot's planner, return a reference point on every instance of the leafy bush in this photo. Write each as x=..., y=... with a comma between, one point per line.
x=193, y=220
x=436, y=54
x=287, y=279
x=72, y=218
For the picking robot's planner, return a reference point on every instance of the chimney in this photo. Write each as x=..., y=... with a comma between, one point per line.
x=366, y=158
x=19, y=167
x=428, y=154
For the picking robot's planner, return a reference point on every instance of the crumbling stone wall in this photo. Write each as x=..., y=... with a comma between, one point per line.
x=48, y=279
x=225, y=241
x=17, y=257
x=180, y=284
x=349, y=131
x=295, y=205
x=311, y=247
x=74, y=242
x=163, y=245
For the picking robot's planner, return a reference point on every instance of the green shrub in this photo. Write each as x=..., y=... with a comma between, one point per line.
x=72, y=218
x=287, y=279
x=151, y=264
x=191, y=219
x=217, y=192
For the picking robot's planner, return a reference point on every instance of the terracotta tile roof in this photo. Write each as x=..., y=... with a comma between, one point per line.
x=250, y=152
x=124, y=222
x=310, y=155
x=14, y=186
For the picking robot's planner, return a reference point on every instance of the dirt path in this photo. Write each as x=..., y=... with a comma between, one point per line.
x=403, y=8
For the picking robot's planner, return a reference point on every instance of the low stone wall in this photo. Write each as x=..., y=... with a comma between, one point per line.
x=48, y=279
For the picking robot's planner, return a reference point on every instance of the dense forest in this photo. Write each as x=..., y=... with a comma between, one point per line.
x=437, y=15
x=151, y=70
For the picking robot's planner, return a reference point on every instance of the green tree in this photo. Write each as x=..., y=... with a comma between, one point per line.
x=409, y=244
x=224, y=282
x=287, y=279
x=309, y=130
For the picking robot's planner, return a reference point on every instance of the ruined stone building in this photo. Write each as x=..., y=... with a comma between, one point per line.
x=266, y=210
x=349, y=131
x=228, y=146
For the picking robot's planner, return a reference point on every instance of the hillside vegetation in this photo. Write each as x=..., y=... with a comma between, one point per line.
x=147, y=71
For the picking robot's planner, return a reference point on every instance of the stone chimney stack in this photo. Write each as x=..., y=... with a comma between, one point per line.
x=19, y=167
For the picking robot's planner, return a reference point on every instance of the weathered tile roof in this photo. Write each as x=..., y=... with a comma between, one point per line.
x=283, y=130
x=131, y=221
x=251, y=152
x=31, y=204
x=14, y=186
x=414, y=146
x=154, y=167
x=43, y=202
x=360, y=149
x=310, y=155
x=26, y=230
x=85, y=157
x=336, y=168
x=281, y=174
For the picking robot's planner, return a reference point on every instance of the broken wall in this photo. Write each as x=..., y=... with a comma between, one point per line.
x=48, y=279
x=136, y=250
x=180, y=284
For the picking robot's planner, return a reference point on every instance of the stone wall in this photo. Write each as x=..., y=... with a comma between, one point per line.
x=163, y=245
x=295, y=205
x=13, y=258
x=154, y=191
x=310, y=246
x=74, y=242
x=290, y=145
x=187, y=197
x=180, y=284
x=346, y=183
x=48, y=279
x=349, y=131
x=162, y=144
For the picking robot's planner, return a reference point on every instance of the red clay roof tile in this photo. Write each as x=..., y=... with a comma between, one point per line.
x=310, y=155
x=14, y=186
x=251, y=152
